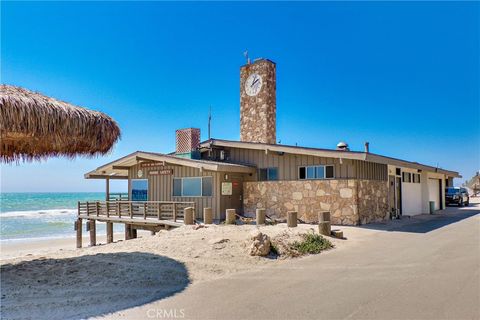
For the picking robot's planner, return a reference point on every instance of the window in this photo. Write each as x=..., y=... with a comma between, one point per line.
x=316, y=172
x=139, y=189
x=268, y=174
x=415, y=177
x=193, y=187
x=407, y=177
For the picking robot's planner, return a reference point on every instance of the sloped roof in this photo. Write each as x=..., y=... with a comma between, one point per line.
x=118, y=169
x=329, y=153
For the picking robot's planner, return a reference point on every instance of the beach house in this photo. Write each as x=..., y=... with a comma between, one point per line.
x=357, y=187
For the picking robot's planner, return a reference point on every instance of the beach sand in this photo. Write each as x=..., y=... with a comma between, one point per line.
x=51, y=279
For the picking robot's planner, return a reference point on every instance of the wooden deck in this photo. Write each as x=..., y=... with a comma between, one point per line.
x=149, y=215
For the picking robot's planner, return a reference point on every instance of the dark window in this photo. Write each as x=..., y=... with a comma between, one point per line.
x=177, y=187
x=316, y=172
x=415, y=178
x=272, y=174
x=207, y=186
x=407, y=177
x=139, y=190
x=302, y=173
x=329, y=172
x=268, y=174
x=193, y=187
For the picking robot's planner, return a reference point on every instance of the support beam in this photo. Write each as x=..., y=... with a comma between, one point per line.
x=109, y=232
x=93, y=233
x=78, y=227
x=107, y=189
x=128, y=234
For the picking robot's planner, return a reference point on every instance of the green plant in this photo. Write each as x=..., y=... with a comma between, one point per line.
x=311, y=244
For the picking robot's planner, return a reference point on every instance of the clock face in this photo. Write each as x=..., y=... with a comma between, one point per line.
x=253, y=85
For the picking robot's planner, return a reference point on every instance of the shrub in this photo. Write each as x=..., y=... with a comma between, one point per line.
x=311, y=244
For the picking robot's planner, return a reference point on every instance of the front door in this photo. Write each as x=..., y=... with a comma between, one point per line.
x=398, y=194
x=391, y=193
x=236, y=199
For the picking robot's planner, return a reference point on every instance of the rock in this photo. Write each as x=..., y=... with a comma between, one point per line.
x=297, y=196
x=346, y=193
x=260, y=244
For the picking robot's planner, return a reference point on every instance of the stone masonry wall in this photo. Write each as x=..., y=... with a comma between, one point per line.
x=350, y=202
x=258, y=113
x=372, y=201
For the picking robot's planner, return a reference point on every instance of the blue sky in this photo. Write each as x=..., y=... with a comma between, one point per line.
x=403, y=76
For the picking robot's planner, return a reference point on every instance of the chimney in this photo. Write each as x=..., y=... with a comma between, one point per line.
x=367, y=147
x=187, y=142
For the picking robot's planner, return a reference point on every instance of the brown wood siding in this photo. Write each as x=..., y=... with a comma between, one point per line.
x=288, y=164
x=160, y=187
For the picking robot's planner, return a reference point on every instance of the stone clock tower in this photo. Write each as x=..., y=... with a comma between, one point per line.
x=258, y=102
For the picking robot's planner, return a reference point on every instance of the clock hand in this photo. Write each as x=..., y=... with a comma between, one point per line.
x=253, y=83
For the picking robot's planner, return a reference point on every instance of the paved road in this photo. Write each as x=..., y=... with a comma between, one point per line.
x=423, y=268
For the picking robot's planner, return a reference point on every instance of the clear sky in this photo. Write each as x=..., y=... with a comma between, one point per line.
x=403, y=76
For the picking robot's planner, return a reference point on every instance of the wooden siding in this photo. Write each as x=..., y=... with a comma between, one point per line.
x=160, y=187
x=288, y=164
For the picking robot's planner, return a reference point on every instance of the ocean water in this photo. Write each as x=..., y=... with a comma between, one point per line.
x=42, y=215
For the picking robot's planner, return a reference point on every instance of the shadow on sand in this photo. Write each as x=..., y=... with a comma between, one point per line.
x=425, y=223
x=87, y=286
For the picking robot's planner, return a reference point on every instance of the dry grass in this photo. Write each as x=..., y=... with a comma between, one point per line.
x=34, y=126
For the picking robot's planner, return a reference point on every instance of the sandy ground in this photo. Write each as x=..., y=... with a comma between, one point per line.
x=50, y=279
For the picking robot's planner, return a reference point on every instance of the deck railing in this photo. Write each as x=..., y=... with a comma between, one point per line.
x=157, y=210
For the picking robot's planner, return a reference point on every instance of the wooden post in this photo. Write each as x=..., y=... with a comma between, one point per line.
x=324, y=227
x=230, y=216
x=97, y=207
x=108, y=209
x=131, y=209
x=188, y=216
x=291, y=219
x=145, y=210
x=78, y=226
x=127, y=232
x=109, y=232
x=93, y=233
x=174, y=205
x=159, y=211
x=118, y=209
x=107, y=189
x=88, y=211
x=207, y=216
x=260, y=215
x=133, y=232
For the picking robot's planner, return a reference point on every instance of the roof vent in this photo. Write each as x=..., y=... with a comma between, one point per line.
x=342, y=146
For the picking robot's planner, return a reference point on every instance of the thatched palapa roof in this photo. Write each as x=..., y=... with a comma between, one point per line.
x=34, y=126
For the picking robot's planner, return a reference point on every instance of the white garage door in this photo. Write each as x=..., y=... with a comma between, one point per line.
x=411, y=199
x=434, y=192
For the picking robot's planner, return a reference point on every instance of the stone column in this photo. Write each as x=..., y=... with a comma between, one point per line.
x=291, y=219
x=207, y=216
x=230, y=216
x=189, y=215
x=260, y=215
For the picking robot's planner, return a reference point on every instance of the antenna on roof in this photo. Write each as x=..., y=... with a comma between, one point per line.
x=245, y=54
x=209, y=121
